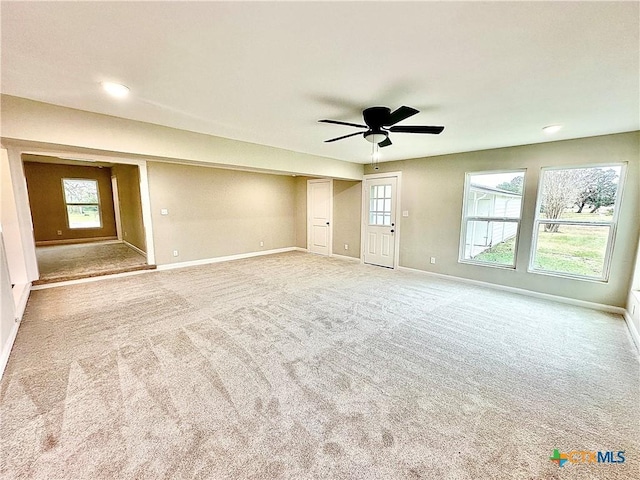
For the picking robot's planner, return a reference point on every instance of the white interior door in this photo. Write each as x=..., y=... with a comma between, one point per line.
x=319, y=210
x=380, y=199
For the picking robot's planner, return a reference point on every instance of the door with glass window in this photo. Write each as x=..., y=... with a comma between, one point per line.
x=380, y=221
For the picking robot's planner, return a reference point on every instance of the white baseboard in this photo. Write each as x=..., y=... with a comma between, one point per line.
x=521, y=291
x=345, y=257
x=4, y=356
x=133, y=247
x=300, y=249
x=632, y=330
x=78, y=241
x=20, y=297
x=240, y=256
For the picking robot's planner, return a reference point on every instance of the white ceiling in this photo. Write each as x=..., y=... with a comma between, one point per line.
x=493, y=73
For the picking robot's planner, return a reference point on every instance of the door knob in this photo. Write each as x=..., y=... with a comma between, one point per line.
x=327, y=223
x=392, y=230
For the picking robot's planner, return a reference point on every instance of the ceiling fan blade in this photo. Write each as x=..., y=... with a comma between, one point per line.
x=337, y=122
x=417, y=129
x=385, y=143
x=400, y=114
x=344, y=136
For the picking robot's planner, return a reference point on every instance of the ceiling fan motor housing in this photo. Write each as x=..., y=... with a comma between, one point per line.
x=376, y=117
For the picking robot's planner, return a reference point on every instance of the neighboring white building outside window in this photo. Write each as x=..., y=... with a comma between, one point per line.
x=491, y=215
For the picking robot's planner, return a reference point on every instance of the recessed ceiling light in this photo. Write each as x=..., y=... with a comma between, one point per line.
x=550, y=129
x=115, y=89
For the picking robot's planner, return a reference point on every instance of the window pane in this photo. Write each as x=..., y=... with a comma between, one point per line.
x=83, y=216
x=387, y=191
x=387, y=220
x=572, y=249
x=581, y=194
x=495, y=194
x=372, y=219
x=491, y=242
x=80, y=191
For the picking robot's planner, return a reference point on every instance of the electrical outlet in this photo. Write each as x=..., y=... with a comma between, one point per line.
x=433, y=260
x=175, y=253
x=59, y=232
x=164, y=211
x=346, y=246
x=262, y=244
x=125, y=234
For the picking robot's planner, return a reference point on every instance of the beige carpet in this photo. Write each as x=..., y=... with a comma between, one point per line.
x=297, y=366
x=59, y=263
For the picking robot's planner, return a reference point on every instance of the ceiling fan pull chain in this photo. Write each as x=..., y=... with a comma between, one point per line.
x=374, y=155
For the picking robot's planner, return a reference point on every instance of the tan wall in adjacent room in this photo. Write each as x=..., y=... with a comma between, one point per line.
x=128, y=180
x=214, y=212
x=347, y=211
x=46, y=198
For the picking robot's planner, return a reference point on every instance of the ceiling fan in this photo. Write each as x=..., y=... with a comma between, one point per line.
x=380, y=121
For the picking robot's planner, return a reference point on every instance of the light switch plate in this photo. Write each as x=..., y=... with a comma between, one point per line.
x=164, y=211
x=405, y=213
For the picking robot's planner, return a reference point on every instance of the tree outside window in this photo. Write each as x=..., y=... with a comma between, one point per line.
x=575, y=220
x=82, y=203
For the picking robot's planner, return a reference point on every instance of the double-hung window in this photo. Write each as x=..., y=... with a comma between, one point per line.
x=491, y=217
x=575, y=221
x=81, y=199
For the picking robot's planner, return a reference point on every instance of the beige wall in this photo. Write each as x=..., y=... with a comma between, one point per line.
x=347, y=211
x=46, y=197
x=128, y=181
x=301, y=211
x=215, y=212
x=432, y=190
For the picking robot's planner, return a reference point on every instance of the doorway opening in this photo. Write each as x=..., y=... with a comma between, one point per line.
x=87, y=218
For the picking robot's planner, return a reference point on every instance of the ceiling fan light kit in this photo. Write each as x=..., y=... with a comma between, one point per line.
x=380, y=121
x=376, y=137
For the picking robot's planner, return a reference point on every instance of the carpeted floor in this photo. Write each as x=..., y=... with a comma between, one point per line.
x=298, y=366
x=58, y=263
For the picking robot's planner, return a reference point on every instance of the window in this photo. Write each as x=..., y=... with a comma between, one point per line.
x=81, y=199
x=491, y=218
x=576, y=221
x=380, y=205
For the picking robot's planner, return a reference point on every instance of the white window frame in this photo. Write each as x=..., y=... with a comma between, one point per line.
x=613, y=224
x=97, y=204
x=472, y=218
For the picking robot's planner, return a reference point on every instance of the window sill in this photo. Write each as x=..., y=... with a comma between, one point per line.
x=569, y=276
x=490, y=265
